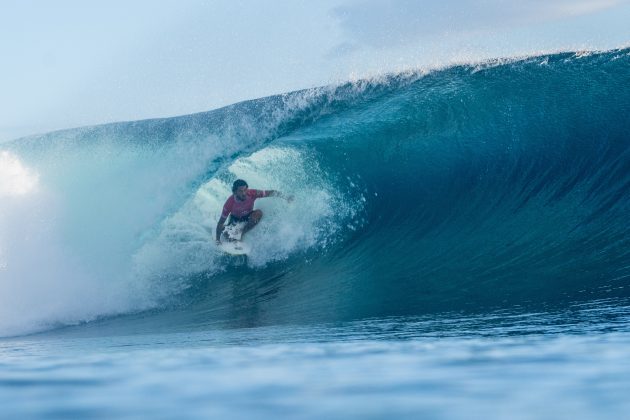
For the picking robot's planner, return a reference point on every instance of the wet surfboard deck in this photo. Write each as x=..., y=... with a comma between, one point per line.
x=234, y=248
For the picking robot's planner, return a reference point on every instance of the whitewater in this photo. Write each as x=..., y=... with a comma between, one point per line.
x=447, y=225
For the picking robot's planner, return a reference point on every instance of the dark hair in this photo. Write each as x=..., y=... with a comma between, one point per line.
x=238, y=183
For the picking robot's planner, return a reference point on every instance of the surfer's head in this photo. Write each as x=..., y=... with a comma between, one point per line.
x=239, y=188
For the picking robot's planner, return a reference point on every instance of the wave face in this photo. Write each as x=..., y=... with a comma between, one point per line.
x=463, y=189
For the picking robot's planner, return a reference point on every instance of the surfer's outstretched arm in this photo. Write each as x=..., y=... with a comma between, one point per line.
x=220, y=227
x=274, y=193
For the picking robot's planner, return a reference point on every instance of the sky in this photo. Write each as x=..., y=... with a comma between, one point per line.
x=73, y=63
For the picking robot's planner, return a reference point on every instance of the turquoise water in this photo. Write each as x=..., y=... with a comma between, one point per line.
x=458, y=246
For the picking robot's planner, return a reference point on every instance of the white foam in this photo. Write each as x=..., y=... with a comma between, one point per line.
x=72, y=218
x=40, y=280
x=15, y=178
x=185, y=244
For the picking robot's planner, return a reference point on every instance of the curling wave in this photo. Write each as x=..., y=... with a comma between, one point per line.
x=467, y=188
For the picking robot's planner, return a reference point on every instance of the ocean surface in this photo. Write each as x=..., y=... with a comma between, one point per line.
x=458, y=246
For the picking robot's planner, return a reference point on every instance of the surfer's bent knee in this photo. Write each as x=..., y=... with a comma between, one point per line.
x=256, y=216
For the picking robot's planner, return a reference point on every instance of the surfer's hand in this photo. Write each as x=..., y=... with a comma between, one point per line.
x=289, y=198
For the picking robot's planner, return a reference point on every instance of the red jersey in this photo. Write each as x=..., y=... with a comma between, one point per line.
x=239, y=208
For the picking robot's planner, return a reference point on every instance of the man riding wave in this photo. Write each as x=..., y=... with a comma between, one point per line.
x=240, y=208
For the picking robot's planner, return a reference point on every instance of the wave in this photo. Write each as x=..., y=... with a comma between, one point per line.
x=472, y=187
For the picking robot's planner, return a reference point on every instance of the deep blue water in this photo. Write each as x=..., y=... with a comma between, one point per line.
x=458, y=245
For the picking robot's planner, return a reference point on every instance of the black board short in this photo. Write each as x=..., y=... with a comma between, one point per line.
x=234, y=220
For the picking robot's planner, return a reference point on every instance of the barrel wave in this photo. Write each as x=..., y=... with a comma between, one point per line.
x=468, y=188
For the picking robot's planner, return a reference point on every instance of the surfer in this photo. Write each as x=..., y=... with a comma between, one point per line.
x=240, y=207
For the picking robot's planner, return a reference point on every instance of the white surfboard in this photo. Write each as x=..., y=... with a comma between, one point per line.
x=236, y=246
